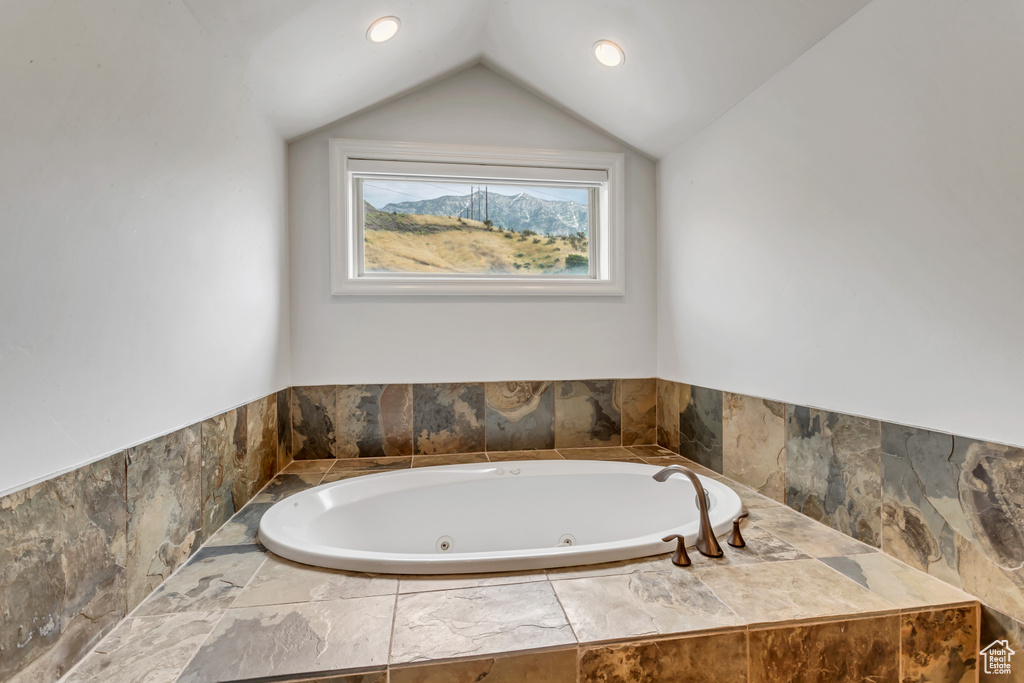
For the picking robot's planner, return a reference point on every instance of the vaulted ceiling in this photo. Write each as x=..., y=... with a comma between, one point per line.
x=308, y=62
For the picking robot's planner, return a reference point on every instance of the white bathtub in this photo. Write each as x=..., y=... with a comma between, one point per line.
x=489, y=517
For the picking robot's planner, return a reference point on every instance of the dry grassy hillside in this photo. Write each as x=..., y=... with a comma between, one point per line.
x=413, y=243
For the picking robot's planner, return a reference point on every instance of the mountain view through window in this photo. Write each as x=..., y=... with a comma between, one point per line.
x=424, y=227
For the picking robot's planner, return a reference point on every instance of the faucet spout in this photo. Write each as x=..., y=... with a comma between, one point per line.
x=706, y=543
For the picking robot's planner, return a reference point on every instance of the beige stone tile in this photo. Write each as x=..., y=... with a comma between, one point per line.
x=896, y=582
x=505, y=456
x=751, y=499
x=641, y=604
x=761, y=547
x=754, y=443
x=242, y=528
x=453, y=459
x=605, y=453
x=652, y=450
x=801, y=589
x=717, y=658
x=473, y=622
x=809, y=536
x=655, y=563
x=288, y=640
x=210, y=581
x=421, y=584
x=535, y=667
x=666, y=460
x=151, y=649
x=308, y=466
x=281, y=581
x=359, y=467
x=284, y=485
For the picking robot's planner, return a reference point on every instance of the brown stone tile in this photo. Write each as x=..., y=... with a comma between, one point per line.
x=374, y=421
x=261, y=447
x=448, y=418
x=164, y=509
x=454, y=459
x=587, y=413
x=536, y=667
x=853, y=651
x=223, y=462
x=954, y=507
x=651, y=451
x=940, y=646
x=668, y=414
x=996, y=626
x=833, y=470
x=717, y=658
x=62, y=569
x=520, y=415
x=373, y=677
x=314, y=411
x=700, y=425
x=639, y=412
x=284, y=429
x=754, y=444
x=505, y=456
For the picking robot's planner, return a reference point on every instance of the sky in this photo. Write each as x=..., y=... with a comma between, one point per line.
x=382, y=192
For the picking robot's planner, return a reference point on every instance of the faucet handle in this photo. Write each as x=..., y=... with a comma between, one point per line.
x=679, y=557
x=737, y=539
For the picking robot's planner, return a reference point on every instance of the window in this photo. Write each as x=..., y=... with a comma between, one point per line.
x=428, y=219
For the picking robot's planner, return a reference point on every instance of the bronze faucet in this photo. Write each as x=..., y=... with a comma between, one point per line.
x=706, y=543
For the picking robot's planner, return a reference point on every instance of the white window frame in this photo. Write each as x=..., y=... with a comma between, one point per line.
x=351, y=158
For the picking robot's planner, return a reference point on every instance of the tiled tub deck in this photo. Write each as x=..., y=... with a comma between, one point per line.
x=801, y=602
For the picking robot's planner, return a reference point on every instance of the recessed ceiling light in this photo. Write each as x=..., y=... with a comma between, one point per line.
x=383, y=29
x=608, y=53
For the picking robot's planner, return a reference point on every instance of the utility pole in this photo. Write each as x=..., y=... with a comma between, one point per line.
x=470, y=202
x=487, y=204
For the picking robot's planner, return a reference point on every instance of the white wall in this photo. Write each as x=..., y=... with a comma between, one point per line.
x=346, y=339
x=142, y=242
x=851, y=236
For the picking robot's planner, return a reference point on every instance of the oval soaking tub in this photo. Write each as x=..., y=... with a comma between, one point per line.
x=488, y=517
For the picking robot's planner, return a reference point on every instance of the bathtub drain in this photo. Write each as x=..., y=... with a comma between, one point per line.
x=444, y=544
x=566, y=539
